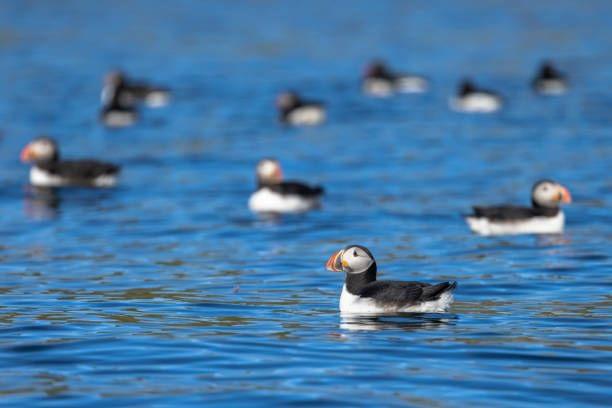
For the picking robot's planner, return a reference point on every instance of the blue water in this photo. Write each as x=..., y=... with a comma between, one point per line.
x=167, y=291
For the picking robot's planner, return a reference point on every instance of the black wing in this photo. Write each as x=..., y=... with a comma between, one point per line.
x=117, y=107
x=404, y=293
x=504, y=212
x=383, y=73
x=393, y=293
x=385, y=76
x=141, y=90
x=310, y=104
x=82, y=169
x=297, y=188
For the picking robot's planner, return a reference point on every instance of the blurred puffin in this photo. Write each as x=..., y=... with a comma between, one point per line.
x=295, y=111
x=549, y=81
x=118, y=108
x=380, y=81
x=471, y=99
x=363, y=294
x=543, y=217
x=49, y=171
x=273, y=195
x=129, y=93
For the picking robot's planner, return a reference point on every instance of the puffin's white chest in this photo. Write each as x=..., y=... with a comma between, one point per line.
x=306, y=115
x=381, y=88
x=534, y=225
x=119, y=118
x=552, y=86
x=265, y=200
x=377, y=87
x=478, y=102
x=354, y=304
x=42, y=178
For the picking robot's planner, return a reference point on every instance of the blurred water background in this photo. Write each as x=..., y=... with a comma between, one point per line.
x=167, y=291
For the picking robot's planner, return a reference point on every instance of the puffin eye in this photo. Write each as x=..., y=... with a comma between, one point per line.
x=355, y=253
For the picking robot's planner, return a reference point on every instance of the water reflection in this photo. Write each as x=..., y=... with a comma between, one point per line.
x=406, y=322
x=276, y=219
x=41, y=203
x=549, y=240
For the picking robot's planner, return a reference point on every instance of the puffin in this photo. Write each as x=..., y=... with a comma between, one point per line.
x=543, y=217
x=295, y=111
x=130, y=92
x=48, y=170
x=273, y=195
x=363, y=294
x=470, y=99
x=549, y=81
x=380, y=81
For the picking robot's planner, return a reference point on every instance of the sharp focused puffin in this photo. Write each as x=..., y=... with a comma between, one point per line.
x=129, y=93
x=273, y=195
x=295, y=111
x=363, y=294
x=543, y=217
x=49, y=171
x=471, y=99
x=380, y=81
x=549, y=81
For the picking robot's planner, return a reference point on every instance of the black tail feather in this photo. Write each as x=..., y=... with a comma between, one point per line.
x=434, y=292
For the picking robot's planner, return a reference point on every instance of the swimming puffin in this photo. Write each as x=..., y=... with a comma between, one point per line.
x=471, y=99
x=363, y=294
x=118, y=109
x=543, y=217
x=130, y=92
x=549, y=81
x=273, y=195
x=295, y=111
x=380, y=81
x=49, y=171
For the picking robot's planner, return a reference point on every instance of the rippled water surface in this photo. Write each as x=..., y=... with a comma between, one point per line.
x=167, y=291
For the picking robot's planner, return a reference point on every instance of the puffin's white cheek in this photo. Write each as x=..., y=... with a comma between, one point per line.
x=42, y=150
x=360, y=264
x=267, y=169
x=545, y=196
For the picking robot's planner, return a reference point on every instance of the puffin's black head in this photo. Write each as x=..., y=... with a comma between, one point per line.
x=115, y=79
x=287, y=100
x=41, y=149
x=376, y=68
x=548, y=193
x=547, y=70
x=466, y=87
x=351, y=259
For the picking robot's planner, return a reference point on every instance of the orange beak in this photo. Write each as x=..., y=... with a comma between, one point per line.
x=26, y=154
x=564, y=195
x=279, y=174
x=334, y=263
